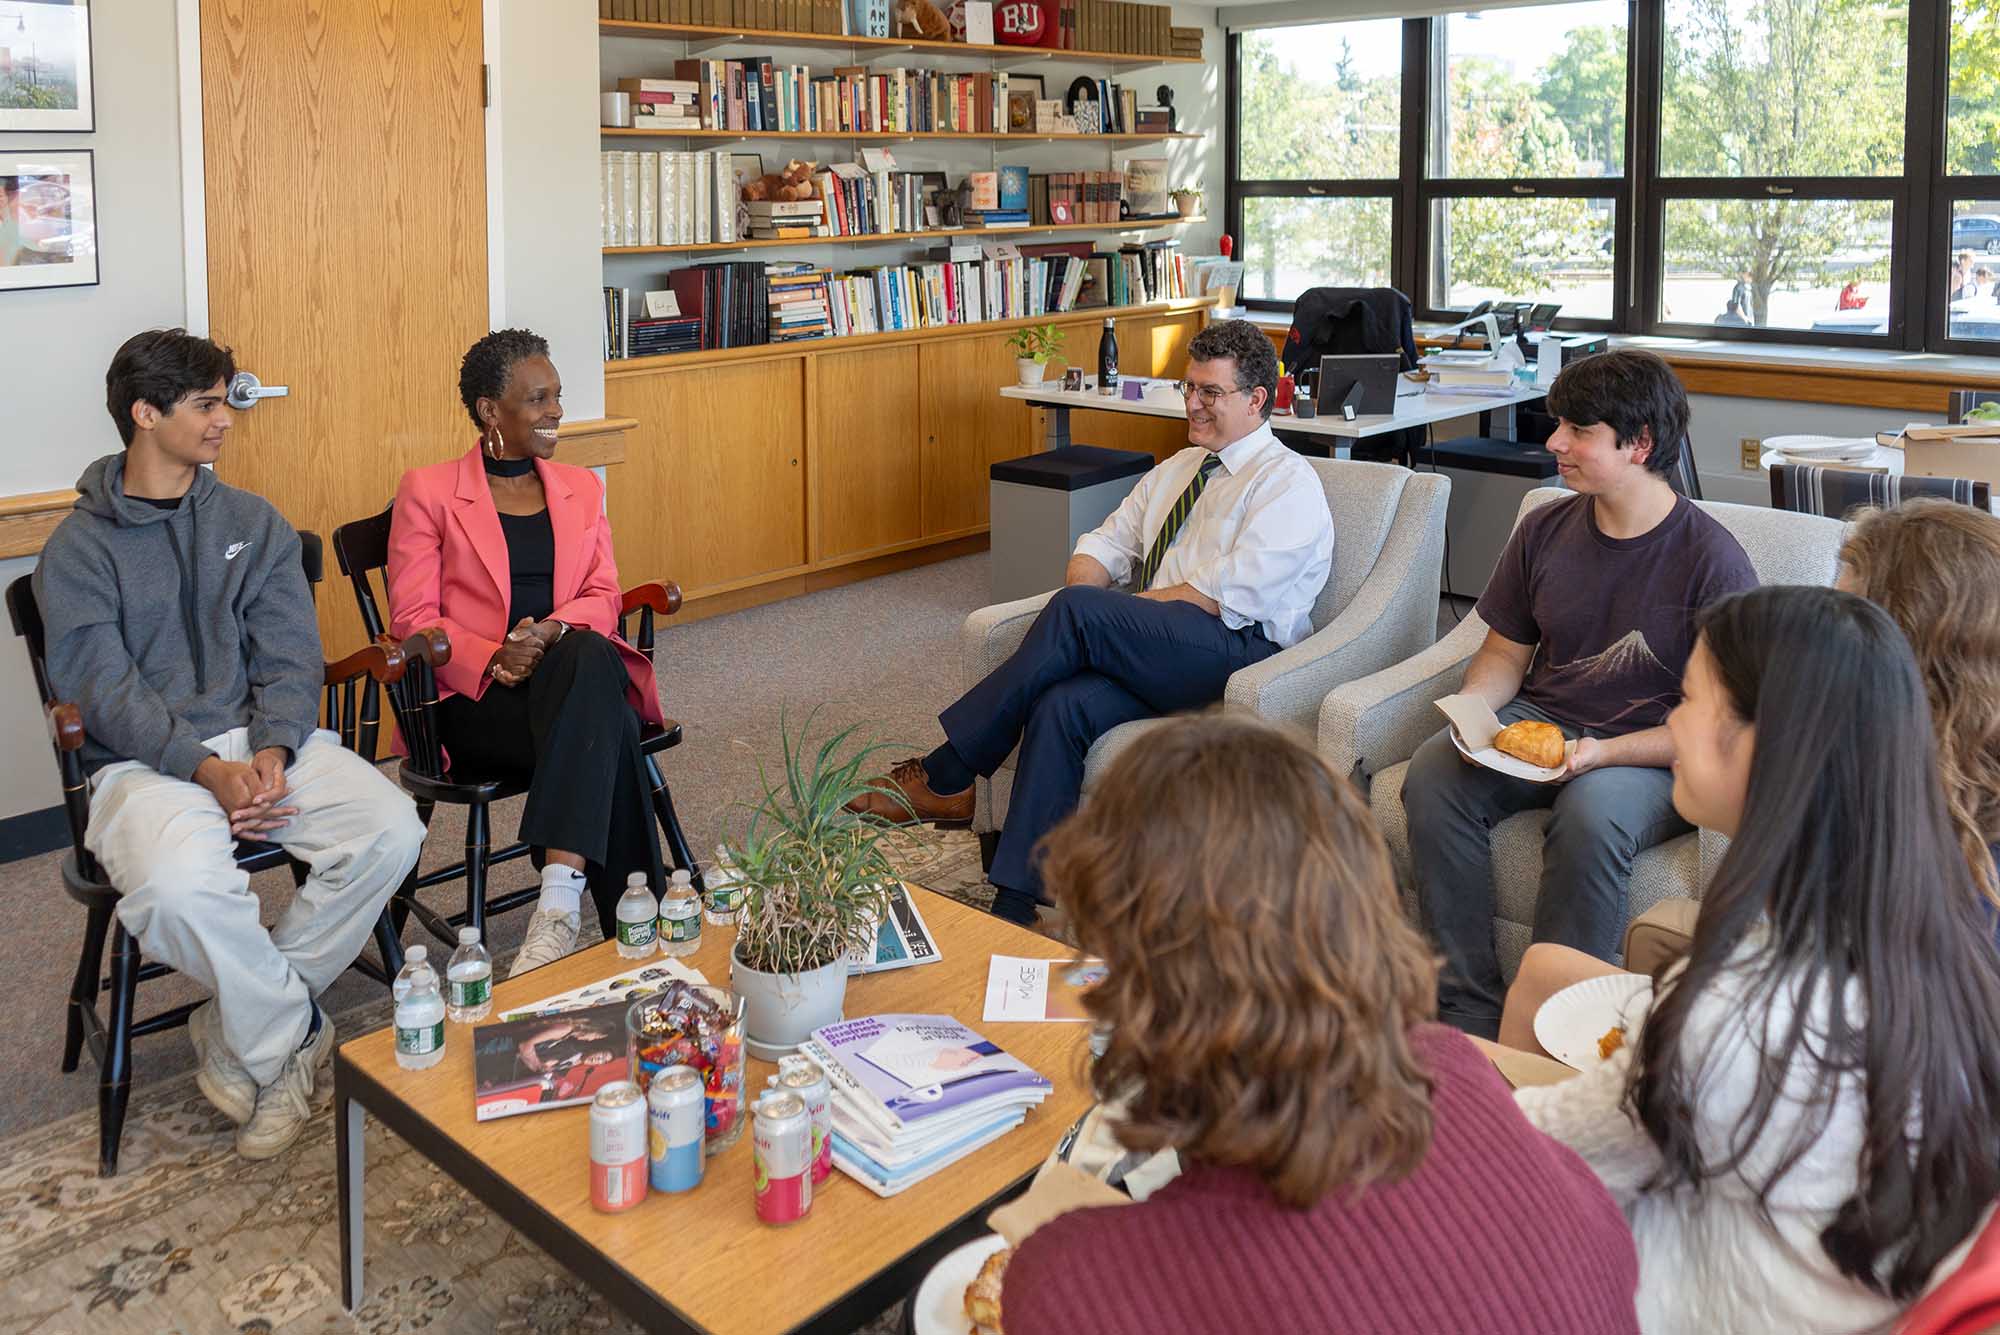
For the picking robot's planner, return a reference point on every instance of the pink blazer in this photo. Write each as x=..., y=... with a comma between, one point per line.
x=448, y=567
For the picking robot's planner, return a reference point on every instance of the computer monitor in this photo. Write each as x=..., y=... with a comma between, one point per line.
x=1366, y=380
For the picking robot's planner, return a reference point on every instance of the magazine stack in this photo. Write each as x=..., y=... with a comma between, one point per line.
x=914, y=1094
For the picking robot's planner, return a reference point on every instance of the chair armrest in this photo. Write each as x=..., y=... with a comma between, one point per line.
x=65, y=723
x=662, y=598
x=384, y=661
x=1392, y=616
x=993, y=633
x=430, y=644
x=1379, y=720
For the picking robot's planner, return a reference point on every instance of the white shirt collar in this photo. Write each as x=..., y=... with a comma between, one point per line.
x=1237, y=454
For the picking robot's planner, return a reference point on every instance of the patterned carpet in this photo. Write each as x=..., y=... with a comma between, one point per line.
x=189, y=1239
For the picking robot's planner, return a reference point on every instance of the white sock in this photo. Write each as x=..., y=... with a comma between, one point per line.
x=562, y=889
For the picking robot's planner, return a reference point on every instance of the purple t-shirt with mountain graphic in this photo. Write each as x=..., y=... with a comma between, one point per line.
x=1612, y=619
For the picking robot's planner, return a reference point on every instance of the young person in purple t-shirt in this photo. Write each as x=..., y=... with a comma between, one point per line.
x=1590, y=619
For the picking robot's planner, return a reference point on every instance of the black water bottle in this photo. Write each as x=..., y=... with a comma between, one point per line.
x=1107, y=359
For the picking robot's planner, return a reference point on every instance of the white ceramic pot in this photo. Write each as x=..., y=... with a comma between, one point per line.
x=1031, y=371
x=780, y=1010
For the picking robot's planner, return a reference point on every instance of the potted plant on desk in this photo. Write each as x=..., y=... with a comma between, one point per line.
x=1033, y=345
x=815, y=881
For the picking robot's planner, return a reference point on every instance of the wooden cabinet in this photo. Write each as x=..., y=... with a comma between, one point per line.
x=712, y=491
x=967, y=428
x=865, y=476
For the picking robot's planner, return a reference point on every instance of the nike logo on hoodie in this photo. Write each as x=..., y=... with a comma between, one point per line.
x=233, y=550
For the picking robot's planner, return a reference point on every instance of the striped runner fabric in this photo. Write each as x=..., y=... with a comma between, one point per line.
x=1175, y=518
x=1837, y=491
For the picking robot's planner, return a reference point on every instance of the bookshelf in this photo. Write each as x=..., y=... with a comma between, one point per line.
x=899, y=136
x=701, y=37
x=940, y=234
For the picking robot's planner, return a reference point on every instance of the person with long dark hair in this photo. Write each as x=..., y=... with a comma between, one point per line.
x=510, y=552
x=1802, y=1130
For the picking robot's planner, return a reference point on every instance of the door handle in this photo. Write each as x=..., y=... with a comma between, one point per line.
x=245, y=389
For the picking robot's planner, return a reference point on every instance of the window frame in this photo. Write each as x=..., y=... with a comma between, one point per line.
x=1920, y=199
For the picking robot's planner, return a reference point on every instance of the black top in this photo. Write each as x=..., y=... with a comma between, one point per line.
x=531, y=560
x=1072, y=468
x=169, y=503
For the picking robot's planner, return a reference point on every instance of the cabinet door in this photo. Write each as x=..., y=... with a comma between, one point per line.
x=712, y=490
x=867, y=468
x=967, y=427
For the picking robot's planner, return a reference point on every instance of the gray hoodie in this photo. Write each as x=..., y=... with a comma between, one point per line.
x=170, y=626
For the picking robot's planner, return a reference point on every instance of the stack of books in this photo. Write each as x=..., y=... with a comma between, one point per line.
x=785, y=219
x=797, y=301
x=914, y=1094
x=1184, y=42
x=663, y=104
x=999, y=198
x=653, y=338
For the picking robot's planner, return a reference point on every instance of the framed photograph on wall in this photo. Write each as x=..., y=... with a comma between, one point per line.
x=48, y=219
x=1023, y=91
x=45, y=66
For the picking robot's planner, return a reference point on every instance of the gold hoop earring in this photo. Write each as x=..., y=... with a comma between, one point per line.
x=496, y=444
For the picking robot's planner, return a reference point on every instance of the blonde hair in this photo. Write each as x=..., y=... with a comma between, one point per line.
x=1262, y=983
x=1934, y=567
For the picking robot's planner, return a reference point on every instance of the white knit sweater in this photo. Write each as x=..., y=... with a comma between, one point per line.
x=1709, y=1264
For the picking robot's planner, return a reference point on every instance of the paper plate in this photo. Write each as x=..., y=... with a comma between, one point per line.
x=939, y=1307
x=1499, y=761
x=1570, y=1023
x=1808, y=448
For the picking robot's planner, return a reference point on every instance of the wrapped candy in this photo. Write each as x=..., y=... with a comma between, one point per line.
x=691, y=1024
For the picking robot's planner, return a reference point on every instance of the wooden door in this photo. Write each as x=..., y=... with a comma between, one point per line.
x=344, y=150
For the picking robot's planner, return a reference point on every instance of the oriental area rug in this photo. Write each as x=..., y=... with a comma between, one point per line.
x=189, y=1239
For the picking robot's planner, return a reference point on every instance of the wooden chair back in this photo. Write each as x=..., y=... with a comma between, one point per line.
x=361, y=547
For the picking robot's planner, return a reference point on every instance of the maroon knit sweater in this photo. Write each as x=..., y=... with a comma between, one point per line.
x=1500, y=1231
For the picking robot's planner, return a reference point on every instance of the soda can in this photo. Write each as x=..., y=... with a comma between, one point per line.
x=676, y=1107
x=807, y=1078
x=782, y=1146
x=617, y=1147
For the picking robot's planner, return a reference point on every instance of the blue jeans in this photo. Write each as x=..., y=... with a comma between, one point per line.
x=1601, y=822
x=1094, y=659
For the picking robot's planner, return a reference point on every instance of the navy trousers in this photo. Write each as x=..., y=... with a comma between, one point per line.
x=1093, y=659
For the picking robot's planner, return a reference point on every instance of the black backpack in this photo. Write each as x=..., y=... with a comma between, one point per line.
x=1333, y=321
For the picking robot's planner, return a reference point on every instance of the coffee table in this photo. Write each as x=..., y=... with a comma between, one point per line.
x=700, y=1261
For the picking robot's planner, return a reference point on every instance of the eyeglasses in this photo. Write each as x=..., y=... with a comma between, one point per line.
x=1209, y=393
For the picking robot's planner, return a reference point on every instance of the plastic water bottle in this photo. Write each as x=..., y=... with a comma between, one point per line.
x=468, y=984
x=636, y=910
x=725, y=891
x=680, y=917
x=419, y=1012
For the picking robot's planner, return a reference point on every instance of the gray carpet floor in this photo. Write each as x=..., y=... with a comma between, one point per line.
x=882, y=654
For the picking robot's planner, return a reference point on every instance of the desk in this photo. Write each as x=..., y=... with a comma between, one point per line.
x=700, y=1261
x=1415, y=407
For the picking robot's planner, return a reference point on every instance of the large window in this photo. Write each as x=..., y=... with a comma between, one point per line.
x=1317, y=153
x=1796, y=170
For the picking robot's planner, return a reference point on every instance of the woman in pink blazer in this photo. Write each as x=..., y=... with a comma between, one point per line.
x=510, y=553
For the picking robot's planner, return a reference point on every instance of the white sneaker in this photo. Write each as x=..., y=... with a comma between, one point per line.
x=221, y=1078
x=285, y=1105
x=551, y=935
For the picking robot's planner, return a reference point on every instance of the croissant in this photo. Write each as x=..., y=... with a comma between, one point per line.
x=982, y=1296
x=1536, y=742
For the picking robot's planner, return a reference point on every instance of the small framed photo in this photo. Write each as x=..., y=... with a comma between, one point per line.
x=48, y=219
x=743, y=169
x=932, y=189
x=1023, y=91
x=45, y=79
x=1072, y=380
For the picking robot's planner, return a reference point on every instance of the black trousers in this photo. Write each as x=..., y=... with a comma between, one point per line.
x=569, y=731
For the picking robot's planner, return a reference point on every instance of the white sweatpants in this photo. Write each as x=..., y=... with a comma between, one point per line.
x=166, y=845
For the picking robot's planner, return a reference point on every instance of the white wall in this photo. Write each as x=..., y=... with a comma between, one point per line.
x=56, y=343
x=543, y=186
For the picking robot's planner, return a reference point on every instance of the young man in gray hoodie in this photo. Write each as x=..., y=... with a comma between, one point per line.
x=180, y=621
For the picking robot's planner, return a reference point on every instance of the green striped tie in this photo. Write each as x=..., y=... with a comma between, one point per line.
x=1175, y=518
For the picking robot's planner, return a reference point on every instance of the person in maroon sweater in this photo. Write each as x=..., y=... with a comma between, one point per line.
x=1348, y=1164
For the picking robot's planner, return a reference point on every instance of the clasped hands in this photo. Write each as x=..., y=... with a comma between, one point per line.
x=521, y=652
x=249, y=791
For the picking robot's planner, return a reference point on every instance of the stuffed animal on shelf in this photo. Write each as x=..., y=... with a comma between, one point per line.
x=921, y=18
x=795, y=182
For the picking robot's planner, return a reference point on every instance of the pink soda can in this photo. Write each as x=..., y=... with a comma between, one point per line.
x=617, y=1147
x=781, y=1142
x=807, y=1078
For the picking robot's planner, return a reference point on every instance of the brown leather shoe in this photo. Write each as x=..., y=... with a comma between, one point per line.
x=946, y=811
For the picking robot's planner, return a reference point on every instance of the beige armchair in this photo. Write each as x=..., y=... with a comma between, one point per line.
x=1369, y=728
x=1379, y=607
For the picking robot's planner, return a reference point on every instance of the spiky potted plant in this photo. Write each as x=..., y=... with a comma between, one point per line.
x=815, y=885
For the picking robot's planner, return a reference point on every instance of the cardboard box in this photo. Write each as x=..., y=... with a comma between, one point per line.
x=1971, y=451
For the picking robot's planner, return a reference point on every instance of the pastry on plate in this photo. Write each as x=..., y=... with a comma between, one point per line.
x=1612, y=1040
x=982, y=1295
x=1532, y=740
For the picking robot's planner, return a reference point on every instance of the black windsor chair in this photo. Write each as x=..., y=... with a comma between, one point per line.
x=362, y=548
x=352, y=707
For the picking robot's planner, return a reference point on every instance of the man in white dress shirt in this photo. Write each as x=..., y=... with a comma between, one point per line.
x=1224, y=548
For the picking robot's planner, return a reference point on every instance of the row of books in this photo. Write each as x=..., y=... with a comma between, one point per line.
x=754, y=93
x=668, y=199
x=635, y=333
x=1070, y=25
x=914, y=1094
